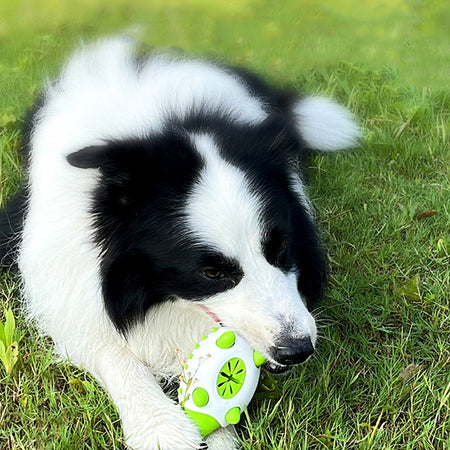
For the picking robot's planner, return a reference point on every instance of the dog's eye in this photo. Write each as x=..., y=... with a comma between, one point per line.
x=213, y=273
x=282, y=245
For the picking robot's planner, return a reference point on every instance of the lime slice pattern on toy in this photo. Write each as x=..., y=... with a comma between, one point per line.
x=231, y=378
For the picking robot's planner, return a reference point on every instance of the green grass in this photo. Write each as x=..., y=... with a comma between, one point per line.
x=381, y=377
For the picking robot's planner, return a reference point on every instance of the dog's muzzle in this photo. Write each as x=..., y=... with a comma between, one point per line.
x=288, y=354
x=293, y=351
x=285, y=354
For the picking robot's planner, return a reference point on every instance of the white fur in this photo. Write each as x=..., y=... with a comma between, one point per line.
x=325, y=125
x=118, y=102
x=298, y=187
x=98, y=97
x=222, y=210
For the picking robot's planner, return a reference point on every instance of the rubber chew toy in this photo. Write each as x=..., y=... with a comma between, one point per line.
x=219, y=380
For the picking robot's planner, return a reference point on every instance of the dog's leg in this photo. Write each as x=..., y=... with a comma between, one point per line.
x=223, y=439
x=150, y=419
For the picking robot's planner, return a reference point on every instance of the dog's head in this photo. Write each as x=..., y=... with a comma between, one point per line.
x=213, y=213
x=211, y=209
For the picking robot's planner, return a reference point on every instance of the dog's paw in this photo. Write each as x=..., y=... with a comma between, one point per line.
x=223, y=439
x=170, y=442
x=163, y=432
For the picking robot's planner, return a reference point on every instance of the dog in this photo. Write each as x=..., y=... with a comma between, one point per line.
x=163, y=192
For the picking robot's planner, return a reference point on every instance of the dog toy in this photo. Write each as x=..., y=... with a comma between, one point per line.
x=219, y=379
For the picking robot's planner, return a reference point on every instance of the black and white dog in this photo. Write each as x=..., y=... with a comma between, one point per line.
x=157, y=184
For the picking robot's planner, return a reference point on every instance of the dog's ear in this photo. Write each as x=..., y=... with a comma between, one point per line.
x=123, y=166
x=312, y=265
x=310, y=258
x=325, y=125
x=112, y=157
x=92, y=157
x=130, y=157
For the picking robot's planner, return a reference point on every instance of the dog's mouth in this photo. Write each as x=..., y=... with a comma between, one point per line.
x=275, y=368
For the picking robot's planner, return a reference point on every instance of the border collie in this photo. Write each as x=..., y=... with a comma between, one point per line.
x=156, y=184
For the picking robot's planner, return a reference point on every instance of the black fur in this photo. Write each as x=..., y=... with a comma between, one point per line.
x=11, y=225
x=147, y=255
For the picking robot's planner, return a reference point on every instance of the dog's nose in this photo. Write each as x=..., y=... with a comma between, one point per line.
x=293, y=351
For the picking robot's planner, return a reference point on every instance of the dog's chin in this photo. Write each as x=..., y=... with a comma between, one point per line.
x=276, y=368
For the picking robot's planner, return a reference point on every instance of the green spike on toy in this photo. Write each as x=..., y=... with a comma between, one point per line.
x=258, y=359
x=219, y=380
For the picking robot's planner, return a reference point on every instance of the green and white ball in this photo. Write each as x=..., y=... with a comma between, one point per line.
x=219, y=379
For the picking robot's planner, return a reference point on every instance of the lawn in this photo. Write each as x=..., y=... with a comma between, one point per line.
x=381, y=376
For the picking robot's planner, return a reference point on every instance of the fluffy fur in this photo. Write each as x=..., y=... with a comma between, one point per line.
x=155, y=184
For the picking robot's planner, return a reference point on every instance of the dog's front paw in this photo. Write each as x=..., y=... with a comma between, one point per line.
x=156, y=441
x=163, y=432
x=223, y=439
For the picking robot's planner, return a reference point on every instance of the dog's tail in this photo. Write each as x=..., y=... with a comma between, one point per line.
x=11, y=225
